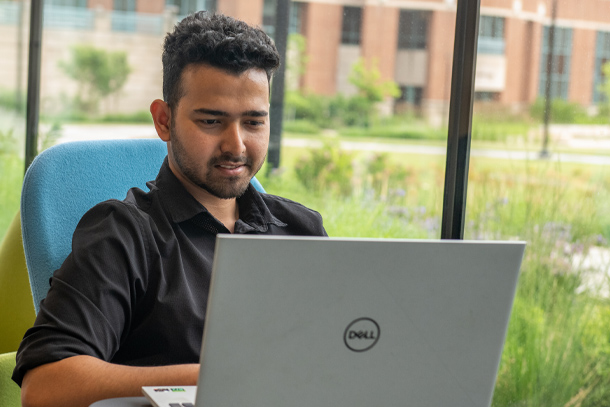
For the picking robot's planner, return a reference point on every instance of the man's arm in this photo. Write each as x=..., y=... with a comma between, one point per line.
x=79, y=381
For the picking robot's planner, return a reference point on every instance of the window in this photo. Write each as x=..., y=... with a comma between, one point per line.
x=67, y=14
x=413, y=29
x=486, y=96
x=67, y=3
x=411, y=95
x=124, y=5
x=294, y=20
x=351, y=26
x=491, y=35
x=602, y=55
x=186, y=7
x=560, y=66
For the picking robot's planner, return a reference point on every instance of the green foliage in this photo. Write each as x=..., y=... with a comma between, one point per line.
x=309, y=107
x=8, y=100
x=370, y=84
x=76, y=116
x=405, y=130
x=99, y=73
x=561, y=111
x=142, y=116
x=352, y=111
x=339, y=110
x=326, y=169
x=301, y=127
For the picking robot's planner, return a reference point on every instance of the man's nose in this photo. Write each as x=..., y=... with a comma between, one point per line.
x=232, y=140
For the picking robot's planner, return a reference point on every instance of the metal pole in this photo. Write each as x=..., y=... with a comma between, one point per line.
x=460, y=118
x=548, y=105
x=282, y=14
x=33, y=102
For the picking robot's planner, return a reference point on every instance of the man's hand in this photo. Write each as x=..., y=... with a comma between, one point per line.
x=79, y=381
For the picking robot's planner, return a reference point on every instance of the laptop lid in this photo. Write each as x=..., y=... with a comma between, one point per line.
x=305, y=321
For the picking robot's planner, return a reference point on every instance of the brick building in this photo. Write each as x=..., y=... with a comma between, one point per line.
x=411, y=42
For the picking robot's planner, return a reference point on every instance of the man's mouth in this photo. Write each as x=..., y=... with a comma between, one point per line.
x=229, y=166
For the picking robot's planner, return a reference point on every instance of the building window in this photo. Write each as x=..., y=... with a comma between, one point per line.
x=410, y=95
x=351, y=26
x=491, y=35
x=297, y=10
x=186, y=7
x=124, y=5
x=123, y=15
x=486, y=96
x=68, y=14
x=602, y=55
x=67, y=3
x=560, y=62
x=294, y=19
x=413, y=29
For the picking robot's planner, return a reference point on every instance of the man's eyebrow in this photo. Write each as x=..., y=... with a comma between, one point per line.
x=211, y=112
x=256, y=113
x=248, y=113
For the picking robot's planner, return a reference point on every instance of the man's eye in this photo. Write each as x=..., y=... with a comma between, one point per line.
x=209, y=121
x=255, y=122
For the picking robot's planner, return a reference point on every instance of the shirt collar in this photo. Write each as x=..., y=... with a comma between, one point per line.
x=254, y=215
x=177, y=201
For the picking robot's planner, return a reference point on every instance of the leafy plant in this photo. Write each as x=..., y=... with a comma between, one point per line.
x=326, y=169
x=99, y=73
x=370, y=84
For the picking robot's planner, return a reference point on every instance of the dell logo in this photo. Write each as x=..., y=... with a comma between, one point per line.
x=361, y=334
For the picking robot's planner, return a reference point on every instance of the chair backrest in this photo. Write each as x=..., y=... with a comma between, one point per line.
x=65, y=181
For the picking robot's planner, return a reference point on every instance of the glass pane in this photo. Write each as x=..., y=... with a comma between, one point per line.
x=365, y=114
x=547, y=184
x=14, y=31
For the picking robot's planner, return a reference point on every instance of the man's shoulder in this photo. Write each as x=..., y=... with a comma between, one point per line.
x=305, y=220
x=135, y=206
x=277, y=202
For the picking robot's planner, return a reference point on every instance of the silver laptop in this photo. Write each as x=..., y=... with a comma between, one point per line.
x=305, y=322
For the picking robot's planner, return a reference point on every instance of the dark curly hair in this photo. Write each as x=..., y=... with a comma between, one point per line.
x=219, y=41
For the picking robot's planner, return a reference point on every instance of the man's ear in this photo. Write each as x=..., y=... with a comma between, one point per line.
x=161, y=115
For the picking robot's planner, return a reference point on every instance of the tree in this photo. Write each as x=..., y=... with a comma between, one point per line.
x=370, y=84
x=372, y=89
x=99, y=73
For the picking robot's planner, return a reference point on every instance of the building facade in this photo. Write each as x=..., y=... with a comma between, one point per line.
x=409, y=41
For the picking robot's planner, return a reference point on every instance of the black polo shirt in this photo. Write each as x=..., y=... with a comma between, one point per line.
x=134, y=289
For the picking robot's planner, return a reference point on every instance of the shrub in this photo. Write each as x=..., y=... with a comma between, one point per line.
x=301, y=127
x=561, y=111
x=326, y=169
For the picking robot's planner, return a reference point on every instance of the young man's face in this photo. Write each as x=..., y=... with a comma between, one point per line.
x=219, y=131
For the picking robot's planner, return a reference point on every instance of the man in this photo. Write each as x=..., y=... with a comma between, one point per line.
x=127, y=307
